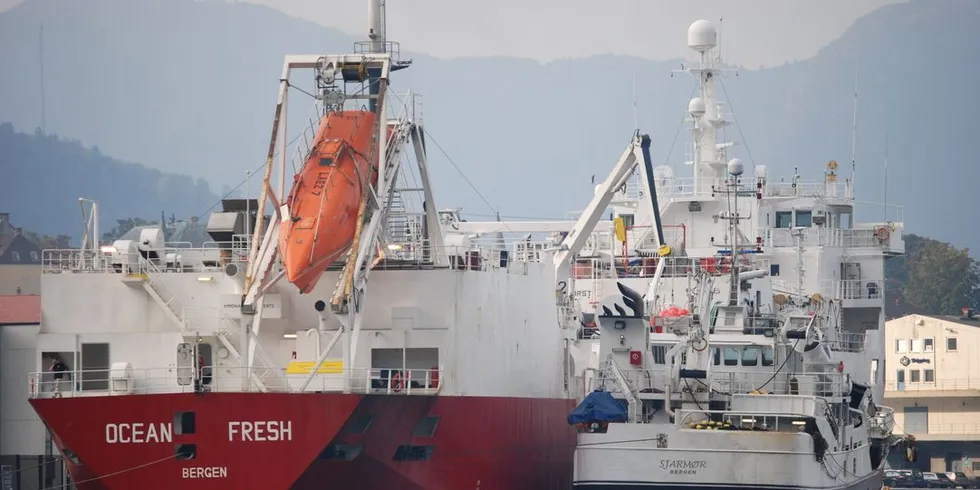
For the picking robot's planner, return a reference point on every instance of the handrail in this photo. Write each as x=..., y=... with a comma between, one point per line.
x=736, y=382
x=230, y=379
x=414, y=254
x=742, y=418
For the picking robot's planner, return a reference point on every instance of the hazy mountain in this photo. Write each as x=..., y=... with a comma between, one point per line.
x=42, y=177
x=189, y=86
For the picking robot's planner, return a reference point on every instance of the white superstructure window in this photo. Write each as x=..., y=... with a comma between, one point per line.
x=916, y=345
x=901, y=346
x=929, y=345
x=874, y=371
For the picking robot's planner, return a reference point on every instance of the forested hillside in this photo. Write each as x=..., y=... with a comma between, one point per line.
x=42, y=176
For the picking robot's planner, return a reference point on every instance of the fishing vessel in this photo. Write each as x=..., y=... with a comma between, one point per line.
x=200, y=367
x=746, y=352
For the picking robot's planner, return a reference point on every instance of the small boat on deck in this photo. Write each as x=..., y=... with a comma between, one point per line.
x=324, y=203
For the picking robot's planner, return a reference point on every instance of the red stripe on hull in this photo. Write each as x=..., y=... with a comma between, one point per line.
x=338, y=442
x=477, y=443
x=80, y=425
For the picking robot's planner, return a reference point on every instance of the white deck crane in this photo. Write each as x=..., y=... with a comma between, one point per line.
x=638, y=151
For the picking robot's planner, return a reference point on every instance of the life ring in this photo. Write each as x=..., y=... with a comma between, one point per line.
x=882, y=234
x=396, y=382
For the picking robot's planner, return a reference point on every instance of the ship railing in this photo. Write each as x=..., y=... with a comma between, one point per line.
x=770, y=421
x=630, y=267
x=234, y=379
x=809, y=188
x=883, y=420
x=211, y=257
x=390, y=47
x=856, y=238
x=855, y=289
x=733, y=382
x=670, y=188
x=847, y=342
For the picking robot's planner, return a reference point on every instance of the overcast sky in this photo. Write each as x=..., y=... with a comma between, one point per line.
x=760, y=32
x=755, y=32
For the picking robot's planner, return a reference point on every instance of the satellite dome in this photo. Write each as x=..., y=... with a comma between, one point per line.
x=696, y=107
x=702, y=36
x=735, y=166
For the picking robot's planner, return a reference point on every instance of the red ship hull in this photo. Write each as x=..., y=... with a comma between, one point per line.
x=313, y=441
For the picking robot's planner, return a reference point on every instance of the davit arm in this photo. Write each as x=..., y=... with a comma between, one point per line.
x=579, y=234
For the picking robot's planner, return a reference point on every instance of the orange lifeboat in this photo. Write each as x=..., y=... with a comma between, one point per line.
x=326, y=196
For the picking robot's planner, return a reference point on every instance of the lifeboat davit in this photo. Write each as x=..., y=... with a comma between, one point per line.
x=326, y=196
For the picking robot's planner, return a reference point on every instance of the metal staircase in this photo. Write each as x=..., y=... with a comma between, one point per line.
x=155, y=284
x=398, y=223
x=402, y=132
x=230, y=334
x=227, y=332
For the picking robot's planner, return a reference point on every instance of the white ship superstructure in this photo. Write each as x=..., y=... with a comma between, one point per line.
x=723, y=298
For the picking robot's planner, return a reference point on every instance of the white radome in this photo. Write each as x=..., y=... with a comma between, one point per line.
x=702, y=36
x=696, y=107
x=735, y=166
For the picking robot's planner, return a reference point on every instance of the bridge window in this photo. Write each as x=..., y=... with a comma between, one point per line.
x=731, y=356
x=929, y=376
x=660, y=354
x=750, y=355
x=767, y=356
x=804, y=218
x=951, y=344
x=326, y=162
x=914, y=376
x=716, y=355
x=784, y=219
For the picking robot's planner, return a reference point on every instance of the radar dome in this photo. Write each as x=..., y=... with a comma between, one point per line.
x=735, y=166
x=696, y=107
x=702, y=36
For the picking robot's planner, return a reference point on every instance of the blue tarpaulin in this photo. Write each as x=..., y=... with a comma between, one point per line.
x=599, y=406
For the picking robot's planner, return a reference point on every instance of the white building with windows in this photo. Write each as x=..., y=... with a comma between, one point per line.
x=932, y=380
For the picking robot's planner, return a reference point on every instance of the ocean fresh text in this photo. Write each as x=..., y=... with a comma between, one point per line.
x=138, y=432
x=261, y=431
